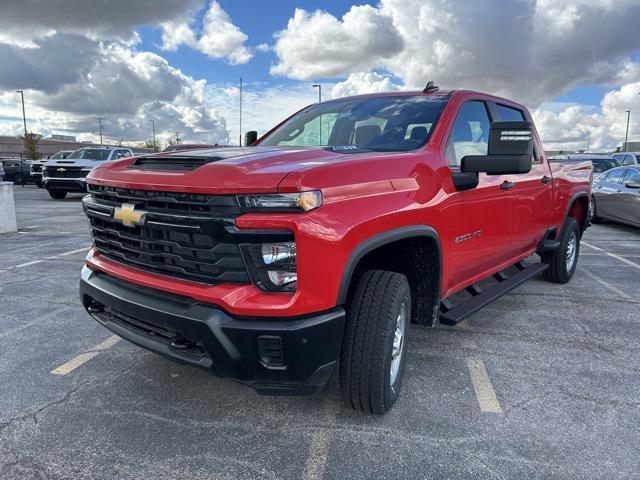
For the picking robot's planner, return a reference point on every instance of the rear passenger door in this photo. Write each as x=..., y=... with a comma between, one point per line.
x=531, y=194
x=480, y=217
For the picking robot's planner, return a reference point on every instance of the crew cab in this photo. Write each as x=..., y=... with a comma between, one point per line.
x=320, y=242
x=61, y=176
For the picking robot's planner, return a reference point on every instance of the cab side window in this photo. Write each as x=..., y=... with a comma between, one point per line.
x=509, y=114
x=470, y=133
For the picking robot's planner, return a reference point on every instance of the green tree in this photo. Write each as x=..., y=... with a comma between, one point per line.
x=31, y=140
x=149, y=144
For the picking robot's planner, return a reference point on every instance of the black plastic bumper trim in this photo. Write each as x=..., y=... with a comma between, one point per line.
x=311, y=344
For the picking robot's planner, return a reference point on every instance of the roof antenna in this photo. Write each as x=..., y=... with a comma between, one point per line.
x=430, y=87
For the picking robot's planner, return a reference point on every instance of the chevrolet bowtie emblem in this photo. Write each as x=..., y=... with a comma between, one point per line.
x=129, y=216
x=61, y=170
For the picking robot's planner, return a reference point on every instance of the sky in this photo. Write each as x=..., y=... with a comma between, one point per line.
x=574, y=63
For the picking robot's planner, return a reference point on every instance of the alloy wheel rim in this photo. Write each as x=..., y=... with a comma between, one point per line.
x=571, y=250
x=398, y=343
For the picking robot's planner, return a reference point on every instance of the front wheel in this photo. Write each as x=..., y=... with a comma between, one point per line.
x=374, y=351
x=593, y=212
x=564, y=260
x=40, y=183
x=57, y=194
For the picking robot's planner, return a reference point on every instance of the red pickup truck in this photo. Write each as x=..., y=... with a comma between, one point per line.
x=325, y=238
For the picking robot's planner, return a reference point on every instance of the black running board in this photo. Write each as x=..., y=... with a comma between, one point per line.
x=450, y=315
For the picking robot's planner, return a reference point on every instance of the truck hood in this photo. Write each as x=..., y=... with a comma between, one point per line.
x=223, y=170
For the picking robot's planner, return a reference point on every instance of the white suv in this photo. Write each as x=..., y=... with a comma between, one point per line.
x=627, y=158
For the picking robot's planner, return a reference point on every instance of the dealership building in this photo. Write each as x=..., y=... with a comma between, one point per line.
x=13, y=147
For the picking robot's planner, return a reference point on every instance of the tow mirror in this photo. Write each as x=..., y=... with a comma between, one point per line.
x=510, y=150
x=250, y=137
x=632, y=184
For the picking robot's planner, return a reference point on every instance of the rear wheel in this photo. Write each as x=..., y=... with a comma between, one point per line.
x=373, y=354
x=57, y=194
x=593, y=212
x=564, y=260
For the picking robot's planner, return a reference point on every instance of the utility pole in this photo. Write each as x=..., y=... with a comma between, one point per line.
x=588, y=138
x=626, y=135
x=153, y=129
x=240, y=139
x=100, y=127
x=177, y=137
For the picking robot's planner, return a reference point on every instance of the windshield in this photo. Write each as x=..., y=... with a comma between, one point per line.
x=58, y=156
x=93, y=154
x=379, y=124
x=603, y=164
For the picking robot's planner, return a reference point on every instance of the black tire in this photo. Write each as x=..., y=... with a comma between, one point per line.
x=559, y=270
x=594, y=218
x=365, y=361
x=39, y=184
x=57, y=194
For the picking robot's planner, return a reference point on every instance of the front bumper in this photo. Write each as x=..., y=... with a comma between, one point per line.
x=272, y=355
x=68, y=184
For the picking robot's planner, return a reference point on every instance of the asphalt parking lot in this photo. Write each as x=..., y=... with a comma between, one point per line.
x=543, y=383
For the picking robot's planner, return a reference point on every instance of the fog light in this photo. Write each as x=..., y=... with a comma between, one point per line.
x=272, y=266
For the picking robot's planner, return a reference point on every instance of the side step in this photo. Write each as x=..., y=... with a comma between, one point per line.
x=450, y=315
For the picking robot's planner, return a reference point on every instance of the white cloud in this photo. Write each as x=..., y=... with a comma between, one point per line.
x=220, y=38
x=567, y=127
x=531, y=51
x=127, y=87
x=363, y=82
x=319, y=45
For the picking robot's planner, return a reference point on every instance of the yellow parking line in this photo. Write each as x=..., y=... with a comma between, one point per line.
x=317, y=457
x=74, y=363
x=482, y=385
x=83, y=358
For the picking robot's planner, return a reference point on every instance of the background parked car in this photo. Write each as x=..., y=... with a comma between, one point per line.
x=627, y=158
x=601, y=163
x=16, y=171
x=1, y=172
x=616, y=196
x=36, y=166
x=70, y=174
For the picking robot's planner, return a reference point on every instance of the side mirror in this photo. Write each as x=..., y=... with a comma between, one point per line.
x=632, y=184
x=510, y=151
x=250, y=137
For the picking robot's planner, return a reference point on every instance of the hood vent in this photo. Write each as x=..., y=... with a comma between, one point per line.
x=172, y=163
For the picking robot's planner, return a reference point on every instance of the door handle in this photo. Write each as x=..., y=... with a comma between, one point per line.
x=546, y=179
x=506, y=185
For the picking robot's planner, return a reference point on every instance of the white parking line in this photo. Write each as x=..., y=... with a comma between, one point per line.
x=317, y=457
x=83, y=358
x=606, y=284
x=482, y=385
x=34, y=262
x=613, y=255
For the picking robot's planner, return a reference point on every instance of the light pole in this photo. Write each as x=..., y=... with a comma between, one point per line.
x=626, y=135
x=24, y=117
x=240, y=135
x=319, y=87
x=153, y=129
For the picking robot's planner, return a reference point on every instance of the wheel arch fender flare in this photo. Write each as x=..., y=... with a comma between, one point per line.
x=570, y=204
x=380, y=240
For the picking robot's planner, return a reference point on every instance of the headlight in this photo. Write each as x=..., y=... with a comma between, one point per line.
x=272, y=266
x=281, y=202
